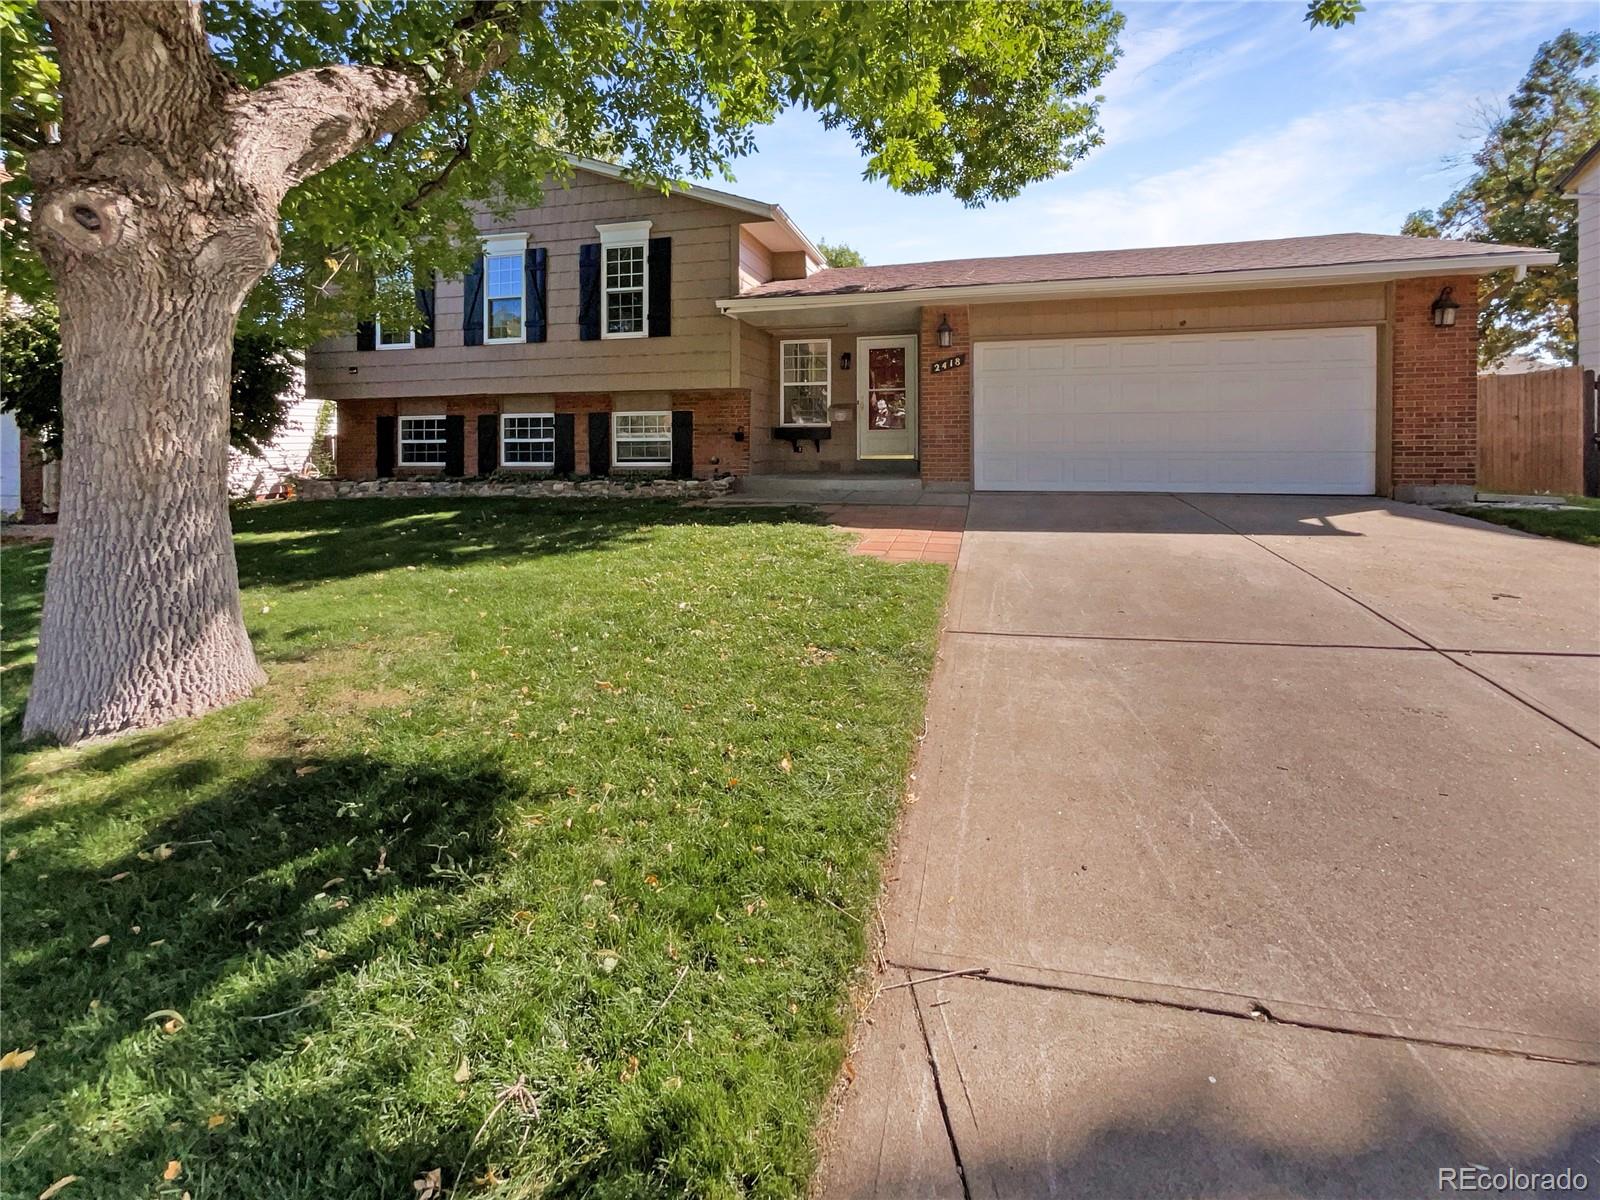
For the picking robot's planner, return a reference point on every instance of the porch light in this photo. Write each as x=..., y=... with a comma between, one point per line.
x=844, y=361
x=946, y=333
x=1444, y=309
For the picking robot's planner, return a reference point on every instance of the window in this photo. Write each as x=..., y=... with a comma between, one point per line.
x=394, y=339
x=642, y=439
x=527, y=440
x=422, y=441
x=624, y=285
x=502, y=297
x=803, y=382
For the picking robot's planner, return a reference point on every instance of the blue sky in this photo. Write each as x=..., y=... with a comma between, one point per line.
x=1223, y=121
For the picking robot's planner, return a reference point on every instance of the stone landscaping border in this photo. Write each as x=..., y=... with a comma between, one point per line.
x=609, y=488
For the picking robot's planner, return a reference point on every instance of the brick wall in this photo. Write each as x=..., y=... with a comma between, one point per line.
x=30, y=482
x=1435, y=389
x=945, y=400
x=717, y=415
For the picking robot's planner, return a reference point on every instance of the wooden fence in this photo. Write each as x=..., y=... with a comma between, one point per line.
x=1536, y=432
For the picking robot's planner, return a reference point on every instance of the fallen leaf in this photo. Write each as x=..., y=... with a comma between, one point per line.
x=608, y=963
x=387, y=920
x=785, y=765
x=57, y=1186
x=174, y=1169
x=174, y=1019
x=464, y=1071
x=119, y=876
x=11, y=854
x=429, y=1185
x=103, y=940
x=162, y=852
x=215, y=1119
x=15, y=1060
x=324, y=955
x=307, y=770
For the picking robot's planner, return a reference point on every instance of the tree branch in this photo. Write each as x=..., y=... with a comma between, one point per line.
x=462, y=154
x=303, y=123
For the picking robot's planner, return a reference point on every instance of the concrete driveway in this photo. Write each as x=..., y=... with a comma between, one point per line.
x=1274, y=823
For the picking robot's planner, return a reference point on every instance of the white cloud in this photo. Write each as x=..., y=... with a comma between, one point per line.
x=1329, y=172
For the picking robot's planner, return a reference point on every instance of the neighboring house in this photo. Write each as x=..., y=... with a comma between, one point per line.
x=288, y=454
x=1583, y=183
x=616, y=330
x=10, y=465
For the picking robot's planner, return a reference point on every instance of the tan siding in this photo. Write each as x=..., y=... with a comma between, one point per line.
x=1360, y=304
x=755, y=262
x=698, y=355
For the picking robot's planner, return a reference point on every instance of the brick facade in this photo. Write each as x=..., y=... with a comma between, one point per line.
x=31, y=484
x=1435, y=386
x=945, y=399
x=718, y=415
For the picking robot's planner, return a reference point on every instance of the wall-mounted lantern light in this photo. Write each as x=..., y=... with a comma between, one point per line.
x=844, y=361
x=945, y=332
x=1444, y=309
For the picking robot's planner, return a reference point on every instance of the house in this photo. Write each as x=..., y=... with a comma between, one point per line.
x=616, y=330
x=1583, y=184
x=289, y=454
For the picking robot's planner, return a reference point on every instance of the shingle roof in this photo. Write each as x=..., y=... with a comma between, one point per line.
x=1328, y=250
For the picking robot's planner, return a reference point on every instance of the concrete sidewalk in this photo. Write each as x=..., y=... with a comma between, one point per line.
x=1273, y=823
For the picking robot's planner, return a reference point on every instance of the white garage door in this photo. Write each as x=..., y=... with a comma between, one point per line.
x=1291, y=411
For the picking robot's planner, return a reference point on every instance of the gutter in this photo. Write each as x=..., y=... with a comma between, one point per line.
x=756, y=208
x=1475, y=264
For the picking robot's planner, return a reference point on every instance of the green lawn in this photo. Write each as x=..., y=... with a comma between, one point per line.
x=546, y=852
x=1581, y=525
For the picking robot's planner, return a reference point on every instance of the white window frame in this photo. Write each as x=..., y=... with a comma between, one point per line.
x=527, y=466
x=505, y=245
x=377, y=337
x=625, y=235
x=617, y=439
x=827, y=383
x=442, y=441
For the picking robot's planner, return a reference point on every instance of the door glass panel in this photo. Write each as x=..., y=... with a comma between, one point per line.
x=886, y=387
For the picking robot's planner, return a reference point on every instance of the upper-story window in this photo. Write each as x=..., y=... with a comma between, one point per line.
x=625, y=279
x=504, y=278
x=391, y=337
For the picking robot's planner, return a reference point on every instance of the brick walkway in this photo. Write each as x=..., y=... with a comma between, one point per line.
x=902, y=532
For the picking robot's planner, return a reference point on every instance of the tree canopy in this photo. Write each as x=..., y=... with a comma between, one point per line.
x=1514, y=196
x=837, y=254
x=979, y=99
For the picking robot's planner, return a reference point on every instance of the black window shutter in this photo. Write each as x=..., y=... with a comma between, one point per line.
x=488, y=443
x=660, y=287
x=683, y=444
x=366, y=336
x=566, y=445
x=589, y=292
x=455, y=445
x=472, y=304
x=422, y=331
x=535, y=264
x=599, y=443
x=385, y=440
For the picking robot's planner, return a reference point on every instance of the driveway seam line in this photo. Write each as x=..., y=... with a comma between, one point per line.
x=1182, y=641
x=1259, y=1015
x=938, y=1092
x=1444, y=654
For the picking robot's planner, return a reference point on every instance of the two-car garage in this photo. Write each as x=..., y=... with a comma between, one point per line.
x=1277, y=411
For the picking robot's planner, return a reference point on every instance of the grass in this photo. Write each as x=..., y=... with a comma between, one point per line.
x=542, y=861
x=1580, y=524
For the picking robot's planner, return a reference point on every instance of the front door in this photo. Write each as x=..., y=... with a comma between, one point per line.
x=886, y=397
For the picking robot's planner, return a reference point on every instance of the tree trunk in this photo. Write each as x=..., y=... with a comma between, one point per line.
x=142, y=621
x=155, y=214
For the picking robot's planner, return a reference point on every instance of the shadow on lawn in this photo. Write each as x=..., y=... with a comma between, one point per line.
x=249, y=903
x=308, y=542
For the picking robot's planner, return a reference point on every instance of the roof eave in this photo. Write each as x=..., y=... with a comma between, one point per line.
x=1477, y=264
x=756, y=208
